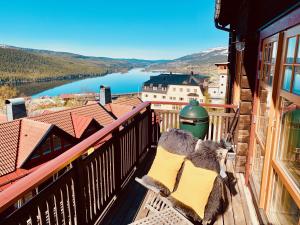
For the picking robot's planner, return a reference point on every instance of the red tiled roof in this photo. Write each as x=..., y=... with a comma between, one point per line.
x=9, y=179
x=126, y=100
x=20, y=137
x=63, y=119
x=117, y=109
x=31, y=134
x=80, y=123
x=90, y=102
x=9, y=140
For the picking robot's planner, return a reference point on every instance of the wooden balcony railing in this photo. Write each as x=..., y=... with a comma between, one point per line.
x=89, y=182
x=220, y=118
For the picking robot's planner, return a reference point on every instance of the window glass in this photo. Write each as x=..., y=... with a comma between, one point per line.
x=291, y=50
x=274, y=52
x=56, y=143
x=257, y=166
x=283, y=209
x=46, y=147
x=67, y=144
x=289, y=142
x=265, y=95
x=287, y=78
x=296, y=86
x=35, y=155
x=298, y=54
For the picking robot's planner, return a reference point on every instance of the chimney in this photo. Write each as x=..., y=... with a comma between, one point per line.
x=105, y=95
x=15, y=108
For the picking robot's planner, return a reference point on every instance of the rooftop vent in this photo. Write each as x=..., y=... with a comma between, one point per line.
x=15, y=108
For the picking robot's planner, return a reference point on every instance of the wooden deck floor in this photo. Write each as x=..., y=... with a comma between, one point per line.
x=238, y=208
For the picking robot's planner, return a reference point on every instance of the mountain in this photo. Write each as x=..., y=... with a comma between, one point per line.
x=20, y=65
x=202, y=62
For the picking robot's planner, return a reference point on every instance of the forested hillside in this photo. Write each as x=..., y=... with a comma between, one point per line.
x=21, y=66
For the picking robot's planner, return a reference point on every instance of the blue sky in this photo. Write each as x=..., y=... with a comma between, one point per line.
x=153, y=29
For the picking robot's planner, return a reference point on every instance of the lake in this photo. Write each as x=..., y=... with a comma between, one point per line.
x=119, y=83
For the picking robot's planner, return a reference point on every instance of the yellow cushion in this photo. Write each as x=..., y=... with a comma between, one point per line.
x=194, y=187
x=165, y=167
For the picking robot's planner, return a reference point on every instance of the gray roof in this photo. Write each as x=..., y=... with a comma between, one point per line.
x=174, y=79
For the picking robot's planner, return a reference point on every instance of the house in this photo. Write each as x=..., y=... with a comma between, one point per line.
x=264, y=70
x=173, y=88
x=28, y=142
x=217, y=87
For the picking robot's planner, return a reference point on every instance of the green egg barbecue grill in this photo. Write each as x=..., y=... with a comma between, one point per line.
x=194, y=118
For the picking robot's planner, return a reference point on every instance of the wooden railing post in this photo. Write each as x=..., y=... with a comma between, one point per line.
x=150, y=128
x=137, y=135
x=79, y=192
x=117, y=159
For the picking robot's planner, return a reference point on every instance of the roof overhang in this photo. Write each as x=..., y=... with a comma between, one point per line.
x=225, y=13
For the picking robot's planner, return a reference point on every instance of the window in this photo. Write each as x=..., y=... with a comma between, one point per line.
x=283, y=208
x=154, y=96
x=46, y=147
x=181, y=99
x=56, y=143
x=195, y=90
x=174, y=89
x=296, y=86
x=146, y=95
x=291, y=75
x=170, y=98
x=188, y=90
x=267, y=67
x=67, y=144
x=181, y=89
x=222, y=84
x=222, y=76
x=154, y=88
x=164, y=97
x=289, y=142
x=282, y=195
x=35, y=156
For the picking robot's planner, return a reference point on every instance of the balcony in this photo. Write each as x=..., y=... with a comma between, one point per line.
x=92, y=183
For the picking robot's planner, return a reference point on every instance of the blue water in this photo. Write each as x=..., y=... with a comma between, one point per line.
x=131, y=81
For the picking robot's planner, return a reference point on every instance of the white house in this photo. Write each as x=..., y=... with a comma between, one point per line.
x=173, y=88
x=217, y=89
